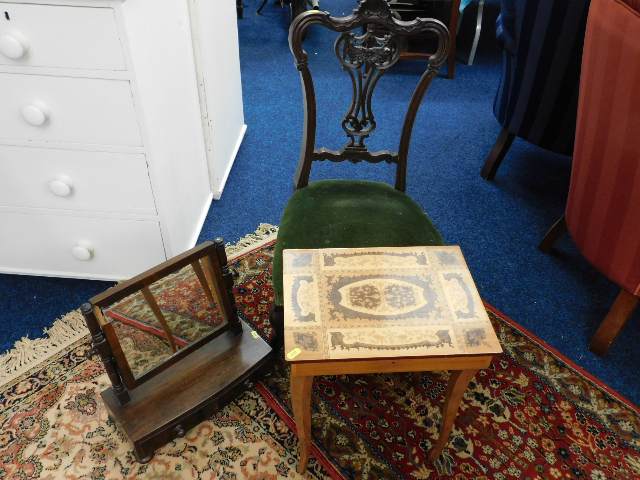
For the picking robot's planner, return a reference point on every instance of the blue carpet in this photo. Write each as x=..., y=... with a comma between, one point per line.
x=559, y=297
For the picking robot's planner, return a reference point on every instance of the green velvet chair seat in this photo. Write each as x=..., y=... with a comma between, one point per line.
x=341, y=213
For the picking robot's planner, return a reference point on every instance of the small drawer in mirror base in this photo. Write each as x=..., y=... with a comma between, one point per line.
x=162, y=409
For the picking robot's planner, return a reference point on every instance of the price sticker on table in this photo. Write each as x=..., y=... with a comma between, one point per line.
x=294, y=353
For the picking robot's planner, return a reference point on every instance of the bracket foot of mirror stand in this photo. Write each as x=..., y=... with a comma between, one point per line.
x=189, y=391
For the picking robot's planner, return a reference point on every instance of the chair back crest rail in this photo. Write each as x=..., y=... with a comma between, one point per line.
x=365, y=56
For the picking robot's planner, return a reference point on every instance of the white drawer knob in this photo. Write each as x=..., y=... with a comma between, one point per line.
x=13, y=46
x=61, y=186
x=35, y=114
x=82, y=252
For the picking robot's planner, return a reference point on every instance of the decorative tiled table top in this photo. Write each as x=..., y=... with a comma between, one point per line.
x=346, y=303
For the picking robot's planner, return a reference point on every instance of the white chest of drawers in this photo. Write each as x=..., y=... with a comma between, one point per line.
x=109, y=159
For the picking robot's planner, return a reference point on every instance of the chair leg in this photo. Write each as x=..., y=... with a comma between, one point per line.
x=615, y=320
x=499, y=150
x=453, y=24
x=557, y=229
x=259, y=11
x=276, y=318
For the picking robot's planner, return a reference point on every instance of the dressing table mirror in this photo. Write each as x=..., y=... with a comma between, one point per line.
x=173, y=346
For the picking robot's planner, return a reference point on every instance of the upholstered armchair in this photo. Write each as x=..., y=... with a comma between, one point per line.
x=603, y=209
x=538, y=92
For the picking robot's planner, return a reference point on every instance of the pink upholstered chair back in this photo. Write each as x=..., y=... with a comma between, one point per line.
x=603, y=210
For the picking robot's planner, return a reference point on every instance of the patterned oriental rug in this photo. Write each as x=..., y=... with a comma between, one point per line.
x=532, y=415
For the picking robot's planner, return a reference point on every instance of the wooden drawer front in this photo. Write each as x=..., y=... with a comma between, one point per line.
x=58, y=245
x=60, y=36
x=67, y=109
x=98, y=181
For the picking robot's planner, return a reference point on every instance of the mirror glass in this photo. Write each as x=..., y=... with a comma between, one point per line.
x=172, y=314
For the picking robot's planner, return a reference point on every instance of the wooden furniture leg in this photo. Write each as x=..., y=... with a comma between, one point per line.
x=495, y=157
x=276, y=318
x=557, y=229
x=458, y=383
x=259, y=11
x=610, y=327
x=301, y=403
x=453, y=29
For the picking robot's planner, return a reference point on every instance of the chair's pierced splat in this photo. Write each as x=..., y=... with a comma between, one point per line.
x=365, y=58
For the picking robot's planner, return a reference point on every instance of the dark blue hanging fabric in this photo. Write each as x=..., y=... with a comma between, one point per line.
x=542, y=49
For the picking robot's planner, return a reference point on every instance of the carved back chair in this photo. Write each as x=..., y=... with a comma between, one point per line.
x=345, y=213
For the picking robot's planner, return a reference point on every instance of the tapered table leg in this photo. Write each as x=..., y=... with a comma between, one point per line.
x=458, y=383
x=301, y=403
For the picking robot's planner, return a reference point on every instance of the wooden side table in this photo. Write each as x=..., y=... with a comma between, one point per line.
x=382, y=310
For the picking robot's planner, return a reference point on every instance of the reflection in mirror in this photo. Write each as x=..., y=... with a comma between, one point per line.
x=165, y=317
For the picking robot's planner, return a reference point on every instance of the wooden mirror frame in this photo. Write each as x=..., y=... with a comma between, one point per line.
x=209, y=263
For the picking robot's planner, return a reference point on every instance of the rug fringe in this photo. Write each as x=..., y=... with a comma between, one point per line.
x=28, y=353
x=264, y=233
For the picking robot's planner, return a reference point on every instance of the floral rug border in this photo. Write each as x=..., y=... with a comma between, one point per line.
x=564, y=359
